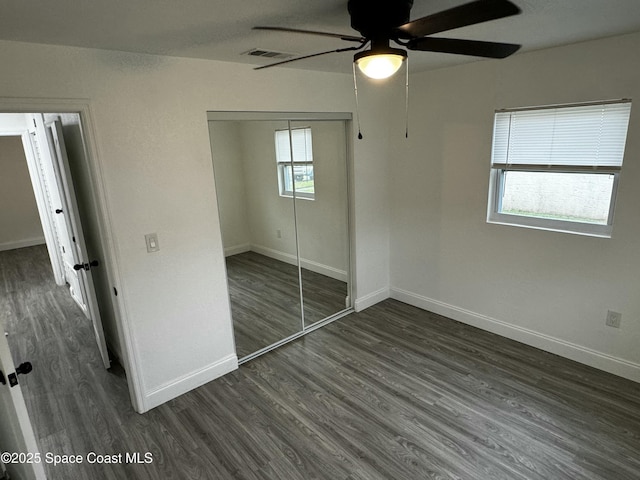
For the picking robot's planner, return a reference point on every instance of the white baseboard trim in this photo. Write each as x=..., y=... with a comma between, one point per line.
x=572, y=351
x=236, y=249
x=370, y=300
x=325, y=270
x=316, y=267
x=29, y=242
x=188, y=382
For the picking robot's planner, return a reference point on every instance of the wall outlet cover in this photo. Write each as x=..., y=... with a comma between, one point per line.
x=613, y=319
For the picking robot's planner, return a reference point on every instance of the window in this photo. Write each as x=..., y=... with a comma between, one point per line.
x=295, y=175
x=557, y=168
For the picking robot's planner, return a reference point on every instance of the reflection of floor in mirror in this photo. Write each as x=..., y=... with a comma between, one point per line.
x=265, y=299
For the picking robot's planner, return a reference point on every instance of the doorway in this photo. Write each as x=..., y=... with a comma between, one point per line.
x=50, y=269
x=56, y=207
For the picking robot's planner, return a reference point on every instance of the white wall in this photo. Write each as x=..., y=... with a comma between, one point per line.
x=226, y=150
x=153, y=152
x=267, y=212
x=548, y=289
x=19, y=217
x=323, y=223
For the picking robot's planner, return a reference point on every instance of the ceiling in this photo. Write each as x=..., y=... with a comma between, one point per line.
x=221, y=29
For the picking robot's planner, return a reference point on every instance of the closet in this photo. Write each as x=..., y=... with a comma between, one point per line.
x=282, y=183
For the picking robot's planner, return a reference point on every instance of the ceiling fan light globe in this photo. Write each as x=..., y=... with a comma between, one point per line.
x=380, y=66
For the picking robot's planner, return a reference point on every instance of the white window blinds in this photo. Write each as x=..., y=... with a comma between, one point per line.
x=591, y=135
x=301, y=141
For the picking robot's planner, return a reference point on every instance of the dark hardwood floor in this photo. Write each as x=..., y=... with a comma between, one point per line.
x=265, y=300
x=389, y=393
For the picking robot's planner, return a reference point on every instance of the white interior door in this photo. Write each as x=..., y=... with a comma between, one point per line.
x=65, y=243
x=16, y=432
x=82, y=263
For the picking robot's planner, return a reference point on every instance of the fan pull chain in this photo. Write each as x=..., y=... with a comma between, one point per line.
x=406, y=102
x=355, y=86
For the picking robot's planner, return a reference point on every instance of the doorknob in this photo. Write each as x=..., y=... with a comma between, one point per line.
x=86, y=266
x=24, y=368
x=58, y=210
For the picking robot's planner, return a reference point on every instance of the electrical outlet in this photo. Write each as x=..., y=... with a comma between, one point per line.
x=613, y=319
x=279, y=233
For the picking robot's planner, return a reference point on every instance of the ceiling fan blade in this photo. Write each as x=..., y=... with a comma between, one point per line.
x=348, y=38
x=309, y=56
x=461, y=16
x=475, y=48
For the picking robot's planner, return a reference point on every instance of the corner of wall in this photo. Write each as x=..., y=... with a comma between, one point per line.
x=371, y=299
x=182, y=385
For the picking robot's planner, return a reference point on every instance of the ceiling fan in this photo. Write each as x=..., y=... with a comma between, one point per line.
x=381, y=22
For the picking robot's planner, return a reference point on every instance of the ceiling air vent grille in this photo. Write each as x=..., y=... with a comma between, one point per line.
x=259, y=52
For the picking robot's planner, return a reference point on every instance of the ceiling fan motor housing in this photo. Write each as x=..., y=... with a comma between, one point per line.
x=378, y=19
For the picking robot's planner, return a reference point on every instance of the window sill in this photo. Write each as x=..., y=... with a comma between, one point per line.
x=298, y=197
x=576, y=228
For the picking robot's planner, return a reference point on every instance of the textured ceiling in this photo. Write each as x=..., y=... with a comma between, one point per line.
x=221, y=29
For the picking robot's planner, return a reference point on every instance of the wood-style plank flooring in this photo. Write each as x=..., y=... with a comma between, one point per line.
x=389, y=393
x=265, y=299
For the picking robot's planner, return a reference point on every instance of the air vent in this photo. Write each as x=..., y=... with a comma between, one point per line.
x=258, y=52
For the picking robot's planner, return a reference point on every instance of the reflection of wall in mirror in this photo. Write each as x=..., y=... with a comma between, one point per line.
x=19, y=217
x=226, y=150
x=252, y=212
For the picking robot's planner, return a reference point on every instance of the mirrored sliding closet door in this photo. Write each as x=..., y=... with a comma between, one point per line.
x=282, y=189
x=322, y=219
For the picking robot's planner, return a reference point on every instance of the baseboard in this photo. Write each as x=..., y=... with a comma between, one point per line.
x=188, y=382
x=316, y=267
x=236, y=249
x=29, y=242
x=370, y=300
x=572, y=351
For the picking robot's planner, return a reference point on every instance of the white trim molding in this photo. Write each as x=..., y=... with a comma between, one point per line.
x=27, y=242
x=362, y=303
x=557, y=346
x=175, y=388
x=316, y=267
x=237, y=249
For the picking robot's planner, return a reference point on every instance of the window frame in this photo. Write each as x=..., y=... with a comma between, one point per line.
x=495, y=216
x=283, y=165
x=497, y=183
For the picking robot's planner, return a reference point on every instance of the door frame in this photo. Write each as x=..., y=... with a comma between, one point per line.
x=102, y=213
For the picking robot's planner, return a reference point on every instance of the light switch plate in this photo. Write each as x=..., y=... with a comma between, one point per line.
x=151, y=240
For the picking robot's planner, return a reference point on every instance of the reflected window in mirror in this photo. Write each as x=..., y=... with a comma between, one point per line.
x=295, y=173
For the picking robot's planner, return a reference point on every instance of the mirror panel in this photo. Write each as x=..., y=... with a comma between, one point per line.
x=258, y=232
x=322, y=216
